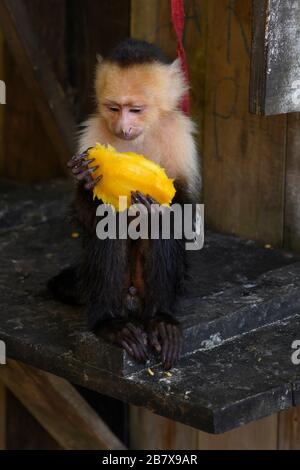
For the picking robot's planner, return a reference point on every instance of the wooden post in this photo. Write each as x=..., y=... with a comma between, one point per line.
x=2, y=106
x=59, y=408
x=2, y=417
x=275, y=67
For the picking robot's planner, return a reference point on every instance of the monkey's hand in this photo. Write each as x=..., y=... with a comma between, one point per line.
x=146, y=200
x=82, y=174
x=165, y=337
x=131, y=336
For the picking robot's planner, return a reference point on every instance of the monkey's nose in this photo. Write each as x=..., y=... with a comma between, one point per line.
x=127, y=132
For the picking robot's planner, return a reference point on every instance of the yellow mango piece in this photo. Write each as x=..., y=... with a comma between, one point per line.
x=123, y=173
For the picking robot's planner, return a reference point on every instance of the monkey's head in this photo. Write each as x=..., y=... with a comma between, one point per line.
x=135, y=86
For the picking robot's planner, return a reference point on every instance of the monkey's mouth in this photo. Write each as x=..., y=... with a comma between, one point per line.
x=127, y=137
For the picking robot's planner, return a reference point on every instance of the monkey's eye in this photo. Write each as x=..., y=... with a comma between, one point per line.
x=135, y=110
x=114, y=109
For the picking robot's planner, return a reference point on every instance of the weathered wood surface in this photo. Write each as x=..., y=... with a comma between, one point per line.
x=289, y=430
x=35, y=242
x=59, y=408
x=39, y=76
x=70, y=33
x=275, y=66
x=149, y=431
x=23, y=431
x=2, y=416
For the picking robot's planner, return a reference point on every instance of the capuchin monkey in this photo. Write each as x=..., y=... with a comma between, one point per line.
x=130, y=286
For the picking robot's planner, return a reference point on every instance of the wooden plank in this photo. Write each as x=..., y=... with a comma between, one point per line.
x=59, y=408
x=243, y=154
x=149, y=431
x=92, y=28
x=39, y=76
x=259, y=435
x=2, y=416
x=289, y=429
x=25, y=139
x=23, y=431
x=292, y=184
x=275, y=67
x=2, y=107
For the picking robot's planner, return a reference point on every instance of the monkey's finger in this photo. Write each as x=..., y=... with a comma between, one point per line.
x=138, y=333
x=91, y=184
x=126, y=347
x=87, y=162
x=153, y=340
x=138, y=354
x=129, y=335
x=77, y=158
x=143, y=199
x=164, y=340
x=170, y=350
x=178, y=341
x=151, y=199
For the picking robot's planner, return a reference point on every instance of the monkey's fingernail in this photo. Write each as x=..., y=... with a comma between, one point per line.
x=93, y=169
x=87, y=162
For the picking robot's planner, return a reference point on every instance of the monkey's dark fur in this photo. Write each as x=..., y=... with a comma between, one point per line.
x=102, y=279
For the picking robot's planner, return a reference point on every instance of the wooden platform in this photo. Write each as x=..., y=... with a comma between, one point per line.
x=240, y=317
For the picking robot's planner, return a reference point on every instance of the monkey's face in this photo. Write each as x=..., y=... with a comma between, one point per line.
x=131, y=99
x=124, y=119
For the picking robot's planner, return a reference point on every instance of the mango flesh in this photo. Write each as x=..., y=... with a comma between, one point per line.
x=123, y=173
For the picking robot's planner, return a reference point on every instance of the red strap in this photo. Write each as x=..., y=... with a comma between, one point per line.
x=177, y=10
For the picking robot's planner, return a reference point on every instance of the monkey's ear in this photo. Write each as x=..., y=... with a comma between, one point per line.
x=99, y=59
x=179, y=85
x=175, y=67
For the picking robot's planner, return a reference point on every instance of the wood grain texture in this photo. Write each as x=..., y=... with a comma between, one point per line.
x=29, y=153
x=2, y=416
x=2, y=107
x=23, y=431
x=59, y=408
x=150, y=431
x=39, y=76
x=275, y=67
x=289, y=429
x=259, y=435
x=243, y=154
x=292, y=184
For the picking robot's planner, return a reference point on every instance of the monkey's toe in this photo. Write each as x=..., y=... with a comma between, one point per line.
x=129, y=336
x=165, y=337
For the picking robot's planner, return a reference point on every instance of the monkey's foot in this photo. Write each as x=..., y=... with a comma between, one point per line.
x=165, y=337
x=79, y=167
x=130, y=336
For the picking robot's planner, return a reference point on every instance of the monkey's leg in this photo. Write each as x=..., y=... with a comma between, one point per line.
x=163, y=273
x=65, y=286
x=105, y=276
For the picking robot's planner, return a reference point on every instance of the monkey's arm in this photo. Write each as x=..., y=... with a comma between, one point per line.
x=84, y=204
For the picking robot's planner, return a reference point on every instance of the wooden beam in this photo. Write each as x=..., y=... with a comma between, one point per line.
x=275, y=67
x=2, y=416
x=2, y=106
x=37, y=71
x=289, y=429
x=59, y=408
x=149, y=431
x=259, y=435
